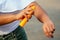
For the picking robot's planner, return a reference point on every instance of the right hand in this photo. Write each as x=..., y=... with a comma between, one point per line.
x=24, y=13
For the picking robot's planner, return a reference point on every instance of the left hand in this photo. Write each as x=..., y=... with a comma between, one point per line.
x=48, y=28
x=24, y=14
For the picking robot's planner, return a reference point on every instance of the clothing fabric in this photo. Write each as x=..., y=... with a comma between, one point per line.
x=11, y=6
x=17, y=34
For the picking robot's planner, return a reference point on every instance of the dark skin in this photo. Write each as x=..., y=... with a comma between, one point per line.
x=39, y=13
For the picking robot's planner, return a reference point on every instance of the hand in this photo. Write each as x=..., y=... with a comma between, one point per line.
x=24, y=13
x=48, y=28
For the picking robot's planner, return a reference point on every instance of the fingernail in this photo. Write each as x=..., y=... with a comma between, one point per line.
x=54, y=30
x=52, y=37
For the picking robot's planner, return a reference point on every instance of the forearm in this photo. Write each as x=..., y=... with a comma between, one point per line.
x=40, y=14
x=6, y=18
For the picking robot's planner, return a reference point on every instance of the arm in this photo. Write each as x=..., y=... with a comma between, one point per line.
x=6, y=18
x=41, y=15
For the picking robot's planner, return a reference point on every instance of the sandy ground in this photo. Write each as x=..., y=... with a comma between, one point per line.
x=34, y=28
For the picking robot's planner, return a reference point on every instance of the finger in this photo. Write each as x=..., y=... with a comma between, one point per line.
x=48, y=34
x=50, y=28
x=45, y=31
x=51, y=35
x=50, y=31
x=29, y=16
x=29, y=11
x=53, y=27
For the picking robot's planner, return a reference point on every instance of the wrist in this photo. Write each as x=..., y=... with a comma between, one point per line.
x=46, y=19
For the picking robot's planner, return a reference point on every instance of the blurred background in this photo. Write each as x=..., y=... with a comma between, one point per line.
x=34, y=28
